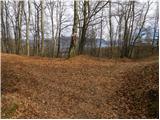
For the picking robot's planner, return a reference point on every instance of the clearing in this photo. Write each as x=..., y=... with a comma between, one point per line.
x=80, y=87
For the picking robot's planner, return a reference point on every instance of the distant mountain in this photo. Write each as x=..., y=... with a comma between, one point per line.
x=65, y=42
x=104, y=43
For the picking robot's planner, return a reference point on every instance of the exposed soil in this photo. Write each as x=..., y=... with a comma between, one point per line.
x=80, y=87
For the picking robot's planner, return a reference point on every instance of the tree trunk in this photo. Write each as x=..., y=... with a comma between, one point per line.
x=155, y=29
x=3, y=37
x=20, y=13
x=53, y=40
x=110, y=30
x=42, y=27
x=59, y=31
x=27, y=30
x=84, y=28
x=74, y=32
x=140, y=30
x=100, y=35
x=38, y=35
x=124, y=52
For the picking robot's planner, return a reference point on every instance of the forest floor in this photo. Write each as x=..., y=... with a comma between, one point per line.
x=80, y=87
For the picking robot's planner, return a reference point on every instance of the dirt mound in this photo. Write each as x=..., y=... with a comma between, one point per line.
x=80, y=87
x=140, y=90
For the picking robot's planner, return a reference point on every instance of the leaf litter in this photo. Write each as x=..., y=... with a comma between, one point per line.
x=80, y=87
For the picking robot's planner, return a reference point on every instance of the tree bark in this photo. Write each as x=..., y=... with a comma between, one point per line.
x=84, y=28
x=100, y=34
x=74, y=32
x=19, y=26
x=110, y=30
x=27, y=30
x=3, y=33
x=59, y=29
x=140, y=30
x=42, y=27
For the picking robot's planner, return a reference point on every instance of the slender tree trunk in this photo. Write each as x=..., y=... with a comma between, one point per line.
x=20, y=13
x=84, y=28
x=100, y=34
x=140, y=30
x=42, y=27
x=126, y=34
x=74, y=32
x=8, y=47
x=35, y=36
x=110, y=30
x=3, y=34
x=155, y=29
x=27, y=30
x=53, y=40
x=59, y=31
x=119, y=34
x=59, y=42
x=51, y=6
x=38, y=35
x=131, y=32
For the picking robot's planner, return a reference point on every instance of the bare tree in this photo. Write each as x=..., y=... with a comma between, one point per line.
x=3, y=33
x=155, y=29
x=19, y=26
x=87, y=16
x=101, y=33
x=27, y=28
x=42, y=27
x=140, y=29
x=37, y=34
x=74, y=32
x=126, y=30
x=62, y=23
x=59, y=4
x=51, y=5
x=110, y=30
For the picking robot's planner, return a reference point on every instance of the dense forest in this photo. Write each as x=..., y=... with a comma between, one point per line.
x=64, y=29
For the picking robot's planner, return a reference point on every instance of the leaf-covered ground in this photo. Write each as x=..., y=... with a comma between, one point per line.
x=80, y=87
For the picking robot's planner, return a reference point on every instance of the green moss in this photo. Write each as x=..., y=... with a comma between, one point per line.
x=72, y=52
x=8, y=112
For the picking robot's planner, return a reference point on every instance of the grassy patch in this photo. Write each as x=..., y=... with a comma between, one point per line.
x=9, y=110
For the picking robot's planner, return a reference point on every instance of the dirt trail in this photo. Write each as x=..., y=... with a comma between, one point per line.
x=81, y=87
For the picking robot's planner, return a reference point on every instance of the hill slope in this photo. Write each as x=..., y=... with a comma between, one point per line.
x=81, y=87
